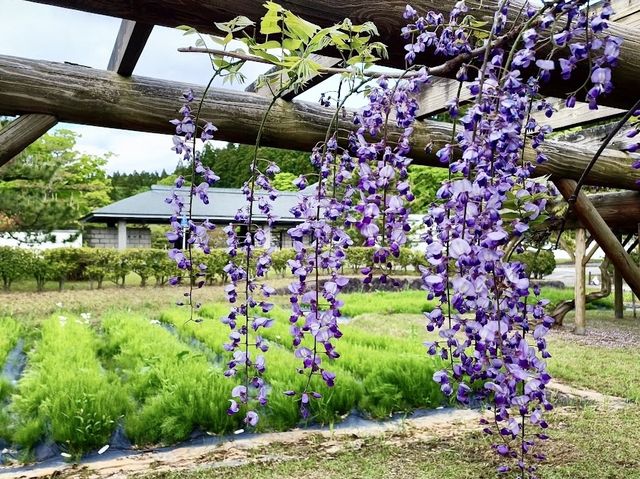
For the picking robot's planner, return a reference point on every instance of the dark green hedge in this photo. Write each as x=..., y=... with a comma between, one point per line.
x=97, y=265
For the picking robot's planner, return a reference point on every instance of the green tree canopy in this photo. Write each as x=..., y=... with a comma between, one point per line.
x=51, y=185
x=283, y=181
x=124, y=185
x=425, y=183
x=232, y=163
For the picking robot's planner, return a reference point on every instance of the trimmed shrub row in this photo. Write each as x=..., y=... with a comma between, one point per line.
x=99, y=264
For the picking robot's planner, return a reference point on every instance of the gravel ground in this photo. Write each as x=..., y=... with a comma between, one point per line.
x=603, y=331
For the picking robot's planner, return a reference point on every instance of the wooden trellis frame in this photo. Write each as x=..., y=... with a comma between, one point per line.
x=61, y=92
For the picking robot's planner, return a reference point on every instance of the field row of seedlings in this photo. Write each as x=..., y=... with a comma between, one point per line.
x=159, y=381
x=392, y=374
x=65, y=394
x=282, y=412
x=10, y=333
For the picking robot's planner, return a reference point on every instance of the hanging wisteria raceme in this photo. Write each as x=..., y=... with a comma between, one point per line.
x=381, y=214
x=184, y=230
x=319, y=242
x=249, y=258
x=493, y=333
x=249, y=262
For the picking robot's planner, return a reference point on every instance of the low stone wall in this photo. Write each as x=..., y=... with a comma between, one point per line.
x=108, y=238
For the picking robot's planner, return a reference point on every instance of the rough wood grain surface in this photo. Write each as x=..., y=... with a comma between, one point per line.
x=620, y=210
x=84, y=95
x=434, y=98
x=580, y=285
x=21, y=132
x=386, y=15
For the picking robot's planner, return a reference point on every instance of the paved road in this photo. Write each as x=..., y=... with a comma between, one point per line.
x=566, y=274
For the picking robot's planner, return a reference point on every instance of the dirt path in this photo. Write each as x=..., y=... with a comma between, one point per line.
x=215, y=454
x=235, y=452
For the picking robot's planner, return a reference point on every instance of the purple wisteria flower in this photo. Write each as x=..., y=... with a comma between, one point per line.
x=492, y=328
x=249, y=251
x=183, y=229
x=319, y=242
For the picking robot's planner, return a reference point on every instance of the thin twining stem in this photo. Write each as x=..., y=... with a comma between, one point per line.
x=447, y=68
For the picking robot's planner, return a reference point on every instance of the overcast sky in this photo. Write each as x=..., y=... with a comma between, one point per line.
x=42, y=32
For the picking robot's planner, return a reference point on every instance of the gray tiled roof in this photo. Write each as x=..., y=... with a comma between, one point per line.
x=151, y=207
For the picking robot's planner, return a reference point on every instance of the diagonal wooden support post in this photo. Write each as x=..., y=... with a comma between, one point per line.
x=591, y=219
x=131, y=39
x=21, y=132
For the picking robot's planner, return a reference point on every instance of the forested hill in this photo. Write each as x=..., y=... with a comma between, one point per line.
x=124, y=185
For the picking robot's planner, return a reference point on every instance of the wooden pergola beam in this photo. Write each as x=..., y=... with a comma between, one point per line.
x=593, y=221
x=580, y=114
x=131, y=39
x=21, y=132
x=386, y=15
x=620, y=210
x=84, y=95
x=26, y=129
x=433, y=100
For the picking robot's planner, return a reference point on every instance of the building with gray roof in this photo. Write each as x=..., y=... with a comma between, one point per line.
x=150, y=207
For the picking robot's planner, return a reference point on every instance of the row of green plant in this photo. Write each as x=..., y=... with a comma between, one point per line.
x=395, y=375
x=9, y=335
x=416, y=302
x=10, y=332
x=98, y=265
x=65, y=394
x=282, y=411
x=171, y=388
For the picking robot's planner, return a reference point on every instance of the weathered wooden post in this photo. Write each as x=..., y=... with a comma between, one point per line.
x=592, y=220
x=618, y=294
x=580, y=287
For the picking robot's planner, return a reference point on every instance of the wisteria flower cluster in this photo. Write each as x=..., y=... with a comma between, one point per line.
x=492, y=329
x=319, y=243
x=246, y=272
x=381, y=213
x=184, y=230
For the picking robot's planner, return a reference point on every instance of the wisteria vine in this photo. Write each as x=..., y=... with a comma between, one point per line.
x=491, y=332
x=491, y=323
